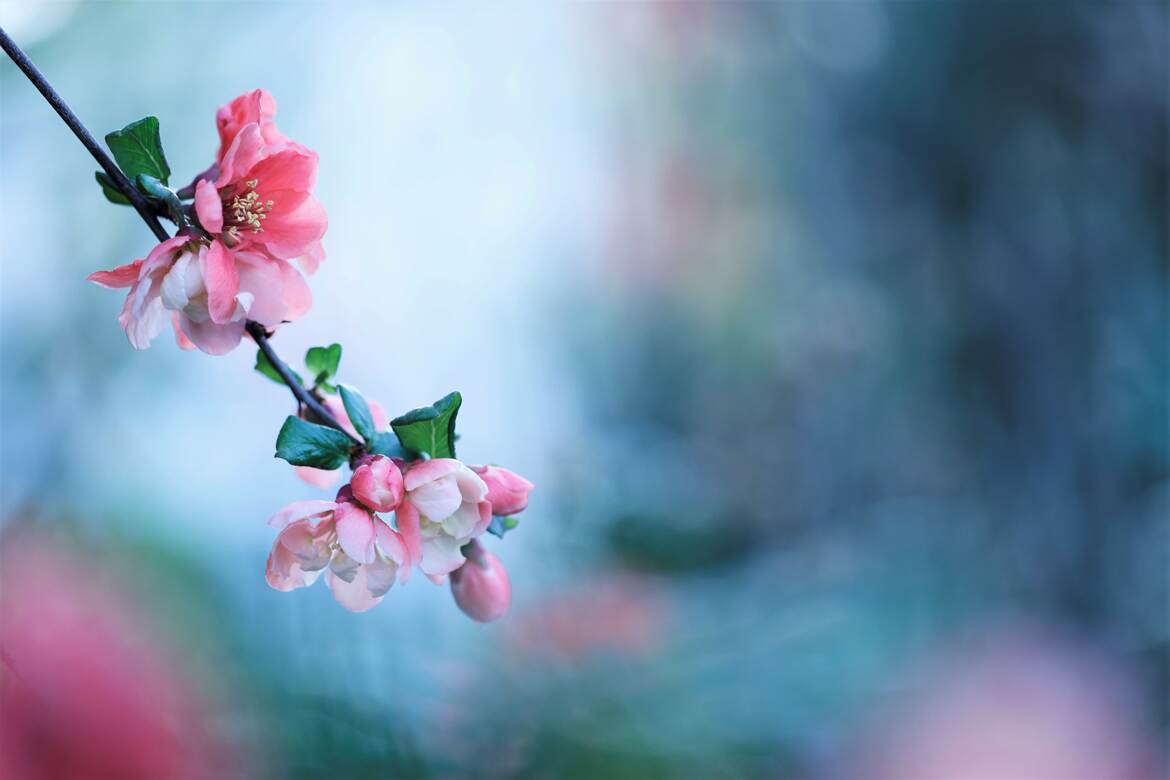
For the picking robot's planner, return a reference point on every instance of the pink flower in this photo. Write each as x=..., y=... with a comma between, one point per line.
x=363, y=555
x=481, y=586
x=446, y=507
x=256, y=107
x=507, y=491
x=209, y=291
x=262, y=199
x=378, y=484
x=88, y=687
x=327, y=478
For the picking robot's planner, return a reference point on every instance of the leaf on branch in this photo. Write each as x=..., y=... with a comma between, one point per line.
x=502, y=525
x=386, y=443
x=358, y=411
x=304, y=443
x=110, y=190
x=265, y=367
x=138, y=149
x=431, y=429
x=160, y=193
x=322, y=363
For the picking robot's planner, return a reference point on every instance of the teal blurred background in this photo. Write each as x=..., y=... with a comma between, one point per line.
x=834, y=336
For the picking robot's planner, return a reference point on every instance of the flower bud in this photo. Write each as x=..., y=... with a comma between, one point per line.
x=507, y=491
x=377, y=483
x=481, y=586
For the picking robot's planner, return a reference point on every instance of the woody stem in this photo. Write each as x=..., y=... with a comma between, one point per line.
x=257, y=331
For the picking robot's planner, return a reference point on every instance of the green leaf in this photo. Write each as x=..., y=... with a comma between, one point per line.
x=267, y=369
x=138, y=149
x=386, y=443
x=431, y=429
x=358, y=411
x=304, y=443
x=322, y=363
x=502, y=525
x=110, y=190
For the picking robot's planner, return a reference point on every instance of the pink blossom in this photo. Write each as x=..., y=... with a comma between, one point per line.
x=256, y=107
x=262, y=199
x=327, y=478
x=446, y=507
x=507, y=491
x=209, y=292
x=88, y=687
x=362, y=554
x=378, y=484
x=481, y=586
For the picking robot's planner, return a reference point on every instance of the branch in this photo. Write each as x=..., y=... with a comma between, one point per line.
x=260, y=335
x=255, y=329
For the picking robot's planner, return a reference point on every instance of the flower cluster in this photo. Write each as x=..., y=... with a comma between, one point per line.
x=229, y=272
x=439, y=506
x=253, y=213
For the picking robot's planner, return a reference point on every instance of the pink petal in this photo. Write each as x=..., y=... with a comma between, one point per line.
x=246, y=150
x=284, y=572
x=142, y=323
x=312, y=258
x=180, y=337
x=441, y=555
x=122, y=276
x=471, y=487
x=301, y=510
x=208, y=206
x=298, y=299
x=354, y=596
x=461, y=523
x=422, y=471
x=290, y=233
x=292, y=169
x=406, y=518
x=355, y=532
x=437, y=500
x=222, y=280
x=261, y=277
x=212, y=338
x=390, y=542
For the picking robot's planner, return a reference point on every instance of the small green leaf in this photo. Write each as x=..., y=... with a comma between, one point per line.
x=358, y=411
x=267, y=369
x=110, y=190
x=327, y=388
x=502, y=525
x=431, y=429
x=304, y=443
x=322, y=362
x=386, y=443
x=158, y=192
x=138, y=149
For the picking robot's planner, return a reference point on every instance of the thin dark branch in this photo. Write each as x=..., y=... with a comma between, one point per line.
x=112, y=170
x=255, y=329
x=260, y=335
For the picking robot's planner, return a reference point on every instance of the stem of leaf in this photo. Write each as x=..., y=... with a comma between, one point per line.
x=144, y=209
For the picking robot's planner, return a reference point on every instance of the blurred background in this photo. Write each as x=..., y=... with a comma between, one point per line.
x=834, y=336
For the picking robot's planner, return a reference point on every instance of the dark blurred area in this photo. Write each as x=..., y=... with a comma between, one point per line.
x=861, y=312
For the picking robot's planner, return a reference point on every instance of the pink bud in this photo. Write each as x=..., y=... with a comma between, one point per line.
x=481, y=586
x=377, y=483
x=507, y=491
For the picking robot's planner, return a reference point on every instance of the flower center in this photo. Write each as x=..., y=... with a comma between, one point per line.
x=247, y=210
